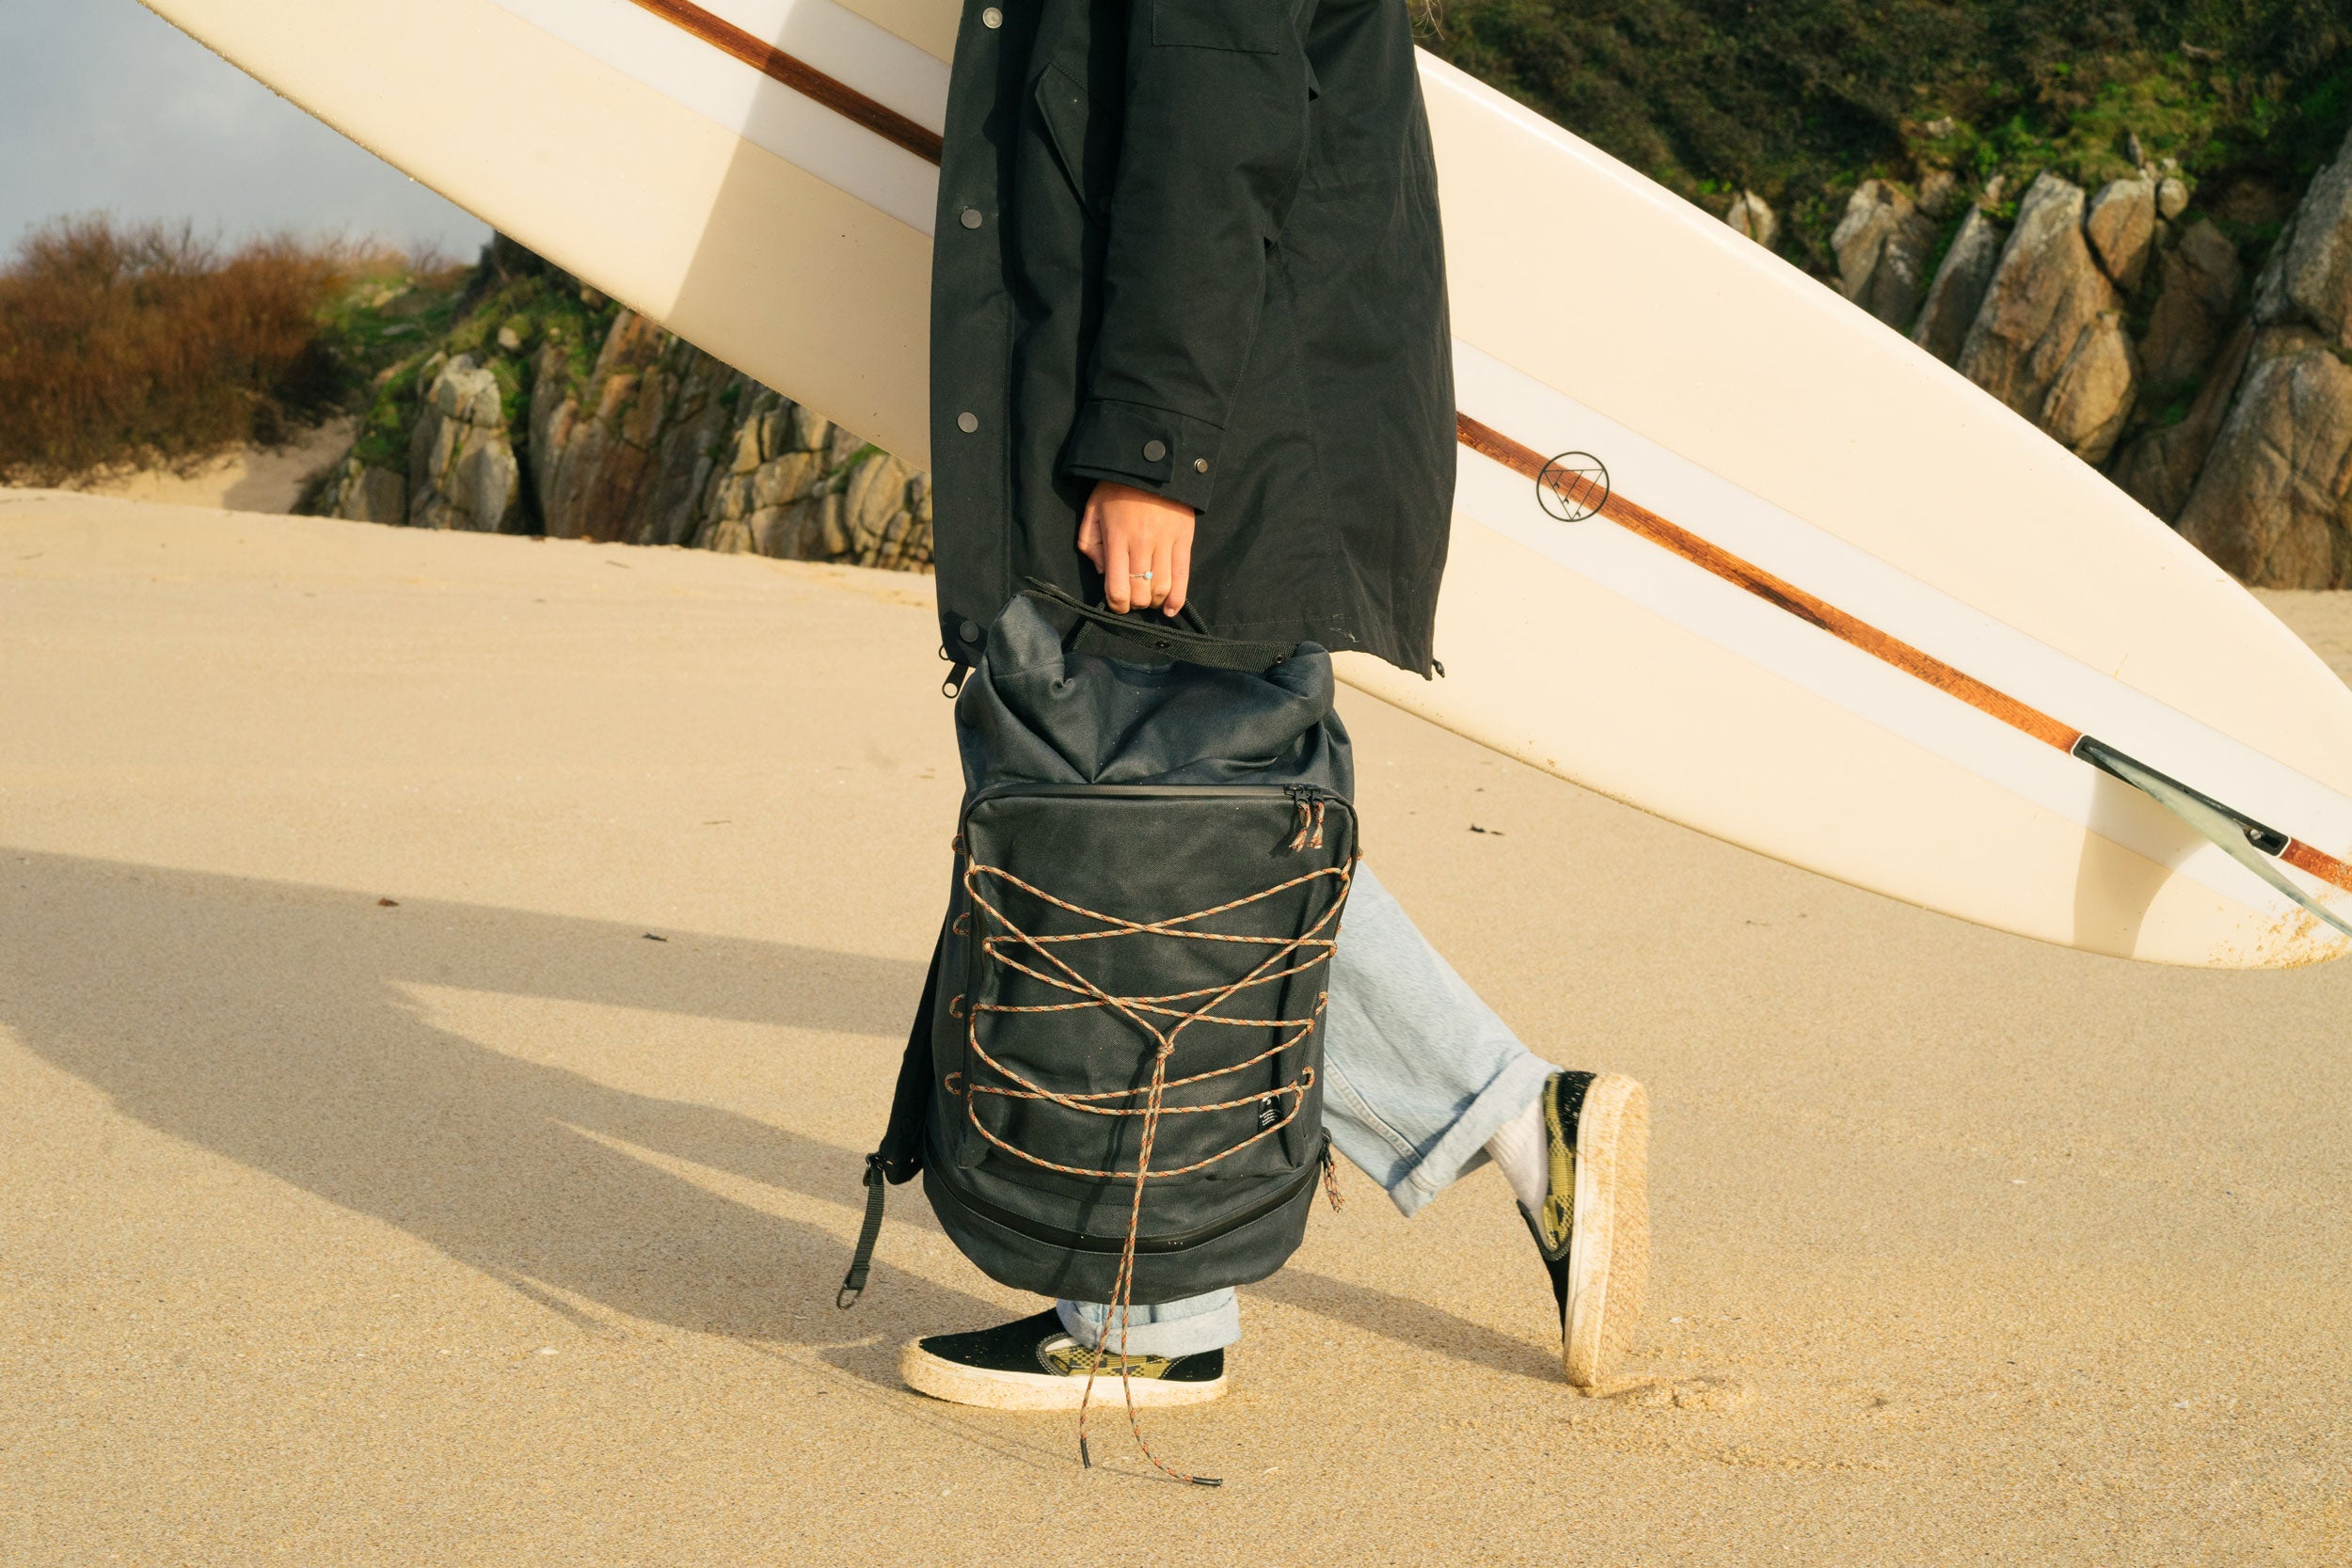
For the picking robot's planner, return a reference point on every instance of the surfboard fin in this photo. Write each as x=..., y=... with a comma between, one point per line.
x=2251, y=843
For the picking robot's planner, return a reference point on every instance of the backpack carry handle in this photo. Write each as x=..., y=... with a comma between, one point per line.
x=1153, y=638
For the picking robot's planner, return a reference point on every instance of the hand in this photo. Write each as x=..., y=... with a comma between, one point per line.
x=1127, y=532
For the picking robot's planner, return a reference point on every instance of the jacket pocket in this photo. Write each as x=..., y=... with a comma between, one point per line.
x=1246, y=26
x=1089, y=156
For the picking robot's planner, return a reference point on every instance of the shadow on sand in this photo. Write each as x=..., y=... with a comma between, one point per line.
x=268, y=1022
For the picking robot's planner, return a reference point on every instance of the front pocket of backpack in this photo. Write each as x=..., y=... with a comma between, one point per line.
x=1118, y=929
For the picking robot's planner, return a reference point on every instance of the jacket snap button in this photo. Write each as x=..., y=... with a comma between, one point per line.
x=968, y=632
x=1154, y=450
x=991, y=18
x=971, y=219
x=1199, y=465
x=967, y=422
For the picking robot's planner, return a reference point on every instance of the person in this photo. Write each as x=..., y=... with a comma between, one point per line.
x=1190, y=352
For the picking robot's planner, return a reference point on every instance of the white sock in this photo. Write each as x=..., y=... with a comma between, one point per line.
x=1520, y=1148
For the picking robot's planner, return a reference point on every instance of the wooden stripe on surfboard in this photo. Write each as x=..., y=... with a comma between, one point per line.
x=1571, y=486
x=798, y=74
x=2318, y=862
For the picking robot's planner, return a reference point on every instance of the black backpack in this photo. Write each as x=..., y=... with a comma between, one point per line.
x=1155, y=847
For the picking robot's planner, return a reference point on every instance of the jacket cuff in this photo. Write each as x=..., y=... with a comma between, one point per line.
x=1151, y=448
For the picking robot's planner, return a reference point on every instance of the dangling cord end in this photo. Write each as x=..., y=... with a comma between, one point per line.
x=1331, y=1181
x=1306, y=821
x=862, y=1260
x=1085, y=1460
x=1317, y=842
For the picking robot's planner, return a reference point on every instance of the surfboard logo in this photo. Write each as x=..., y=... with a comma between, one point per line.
x=1573, y=486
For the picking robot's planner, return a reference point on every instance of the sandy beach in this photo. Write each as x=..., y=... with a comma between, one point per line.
x=243, y=478
x=450, y=983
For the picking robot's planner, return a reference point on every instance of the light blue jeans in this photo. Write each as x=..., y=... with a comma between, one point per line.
x=1417, y=1074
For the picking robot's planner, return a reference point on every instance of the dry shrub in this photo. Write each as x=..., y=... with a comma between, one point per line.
x=151, y=345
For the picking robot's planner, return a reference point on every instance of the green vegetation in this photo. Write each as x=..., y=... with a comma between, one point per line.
x=510, y=307
x=1802, y=100
x=150, y=345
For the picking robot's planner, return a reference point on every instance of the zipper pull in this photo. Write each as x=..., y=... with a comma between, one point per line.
x=1309, y=799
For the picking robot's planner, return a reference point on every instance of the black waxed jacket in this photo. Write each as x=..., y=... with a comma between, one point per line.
x=1193, y=247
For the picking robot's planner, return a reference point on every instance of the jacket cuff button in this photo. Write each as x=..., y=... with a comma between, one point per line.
x=991, y=18
x=967, y=422
x=1199, y=465
x=1154, y=450
x=971, y=217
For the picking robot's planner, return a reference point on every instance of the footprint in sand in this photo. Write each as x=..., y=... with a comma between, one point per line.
x=1713, y=1392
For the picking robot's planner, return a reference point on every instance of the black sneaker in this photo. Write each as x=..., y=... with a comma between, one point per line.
x=1034, y=1364
x=1594, y=1231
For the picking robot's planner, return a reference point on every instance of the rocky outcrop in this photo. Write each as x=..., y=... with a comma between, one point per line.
x=1881, y=245
x=359, y=490
x=799, y=488
x=567, y=417
x=664, y=445
x=1958, y=292
x=2121, y=228
x=461, y=469
x=2274, y=503
x=2198, y=281
x=2309, y=278
x=2049, y=338
x=2159, y=469
x=628, y=458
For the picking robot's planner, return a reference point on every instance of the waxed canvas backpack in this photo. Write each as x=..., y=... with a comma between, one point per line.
x=1113, y=1087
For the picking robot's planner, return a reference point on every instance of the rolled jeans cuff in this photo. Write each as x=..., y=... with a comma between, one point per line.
x=1172, y=1328
x=1463, y=1149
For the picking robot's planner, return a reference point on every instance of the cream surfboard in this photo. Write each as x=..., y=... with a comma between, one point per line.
x=1790, y=581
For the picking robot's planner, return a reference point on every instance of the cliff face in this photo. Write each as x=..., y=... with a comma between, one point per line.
x=548, y=409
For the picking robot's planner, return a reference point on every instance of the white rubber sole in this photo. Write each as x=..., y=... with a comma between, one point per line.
x=1609, y=1248
x=990, y=1389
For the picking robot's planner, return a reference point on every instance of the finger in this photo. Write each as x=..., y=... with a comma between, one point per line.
x=1091, y=535
x=1162, y=561
x=1115, y=582
x=1178, y=571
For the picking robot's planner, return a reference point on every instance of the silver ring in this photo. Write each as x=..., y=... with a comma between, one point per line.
x=1145, y=576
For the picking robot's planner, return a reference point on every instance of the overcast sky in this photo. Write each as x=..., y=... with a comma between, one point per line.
x=105, y=106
